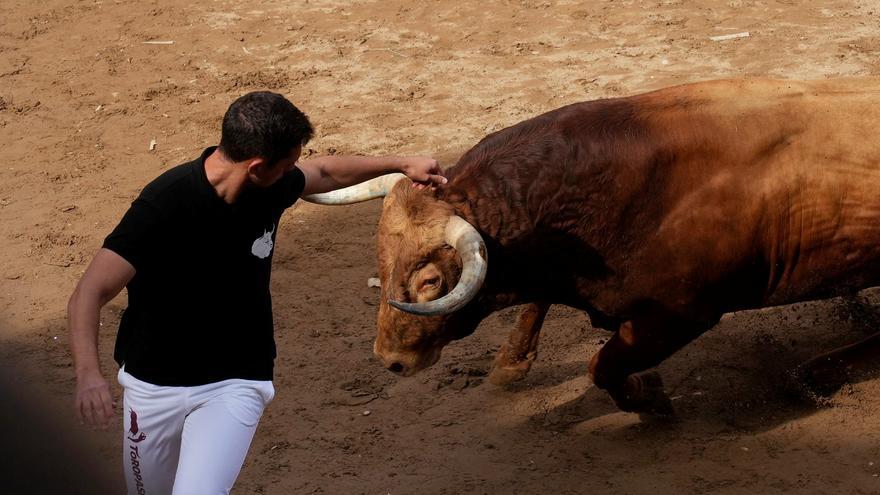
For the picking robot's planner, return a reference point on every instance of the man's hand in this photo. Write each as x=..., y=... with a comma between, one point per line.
x=94, y=404
x=424, y=171
x=328, y=173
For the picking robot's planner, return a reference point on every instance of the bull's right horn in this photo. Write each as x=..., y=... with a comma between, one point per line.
x=365, y=191
x=470, y=246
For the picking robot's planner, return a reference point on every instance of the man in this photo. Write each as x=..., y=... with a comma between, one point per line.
x=196, y=345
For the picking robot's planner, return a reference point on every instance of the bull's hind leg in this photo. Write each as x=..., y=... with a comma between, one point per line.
x=826, y=373
x=515, y=358
x=640, y=344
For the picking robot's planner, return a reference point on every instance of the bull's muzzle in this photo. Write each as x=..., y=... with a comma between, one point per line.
x=406, y=364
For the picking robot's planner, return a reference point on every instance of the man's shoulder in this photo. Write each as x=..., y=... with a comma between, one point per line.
x=173, y=184
x=289, y=188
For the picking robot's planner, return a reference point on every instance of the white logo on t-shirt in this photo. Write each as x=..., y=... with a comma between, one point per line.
x=262, y=247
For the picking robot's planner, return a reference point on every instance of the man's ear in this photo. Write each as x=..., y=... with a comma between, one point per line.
x=256, y=169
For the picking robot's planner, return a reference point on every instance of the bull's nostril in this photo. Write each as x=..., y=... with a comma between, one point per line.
x=396, y=368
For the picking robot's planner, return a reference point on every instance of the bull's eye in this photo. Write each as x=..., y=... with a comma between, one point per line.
x=431, y=282
x=421, y=264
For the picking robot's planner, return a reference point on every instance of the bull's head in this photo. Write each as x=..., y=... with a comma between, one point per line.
x=432, y=263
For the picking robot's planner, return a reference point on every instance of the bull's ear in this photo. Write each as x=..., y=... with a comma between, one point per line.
x=470, y=247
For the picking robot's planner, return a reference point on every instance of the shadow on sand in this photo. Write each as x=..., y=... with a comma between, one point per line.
x=739, y=375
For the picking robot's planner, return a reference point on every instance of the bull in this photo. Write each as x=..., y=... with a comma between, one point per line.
x=655, y=214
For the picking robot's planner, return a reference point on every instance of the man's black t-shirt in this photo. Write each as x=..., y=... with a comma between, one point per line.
x=199, y=309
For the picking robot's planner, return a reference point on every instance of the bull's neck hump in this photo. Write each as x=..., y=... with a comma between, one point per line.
x=494, y=205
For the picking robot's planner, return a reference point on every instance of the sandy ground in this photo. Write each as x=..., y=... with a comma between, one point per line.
x=81, y=97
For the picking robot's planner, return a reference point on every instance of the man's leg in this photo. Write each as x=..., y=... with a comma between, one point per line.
x=217, y=435
x=152, y=424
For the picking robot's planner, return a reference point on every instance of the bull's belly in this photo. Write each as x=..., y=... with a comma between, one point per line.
x=825, y=282
x=730, y=290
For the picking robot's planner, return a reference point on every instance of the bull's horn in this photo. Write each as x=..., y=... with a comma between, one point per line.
x=365, y=191
x=467, y=241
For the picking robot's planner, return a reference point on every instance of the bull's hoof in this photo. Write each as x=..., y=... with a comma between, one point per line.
x=643, y=393
x=509, y=373
x=821, y=377
x=510, y=367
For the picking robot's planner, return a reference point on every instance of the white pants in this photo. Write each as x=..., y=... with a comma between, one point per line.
x=188, y=440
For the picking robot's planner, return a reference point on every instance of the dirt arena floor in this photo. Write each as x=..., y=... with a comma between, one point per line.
x=82, y=96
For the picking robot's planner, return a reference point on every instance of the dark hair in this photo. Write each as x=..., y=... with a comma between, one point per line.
x=263, y=124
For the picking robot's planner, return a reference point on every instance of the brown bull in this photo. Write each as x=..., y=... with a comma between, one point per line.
x=655, y=214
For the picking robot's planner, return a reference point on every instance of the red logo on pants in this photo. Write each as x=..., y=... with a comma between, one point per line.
x=133, y=429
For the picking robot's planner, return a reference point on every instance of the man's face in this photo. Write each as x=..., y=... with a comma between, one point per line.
x=266, y=174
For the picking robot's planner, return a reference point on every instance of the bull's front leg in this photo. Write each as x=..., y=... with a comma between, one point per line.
x=639, y=344
x=515, y=358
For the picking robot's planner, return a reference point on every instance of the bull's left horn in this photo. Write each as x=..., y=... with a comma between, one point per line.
x=467, y=241
x=365, y=191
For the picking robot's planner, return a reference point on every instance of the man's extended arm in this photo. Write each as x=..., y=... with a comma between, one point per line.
x=327, y=173
x=105, y=277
